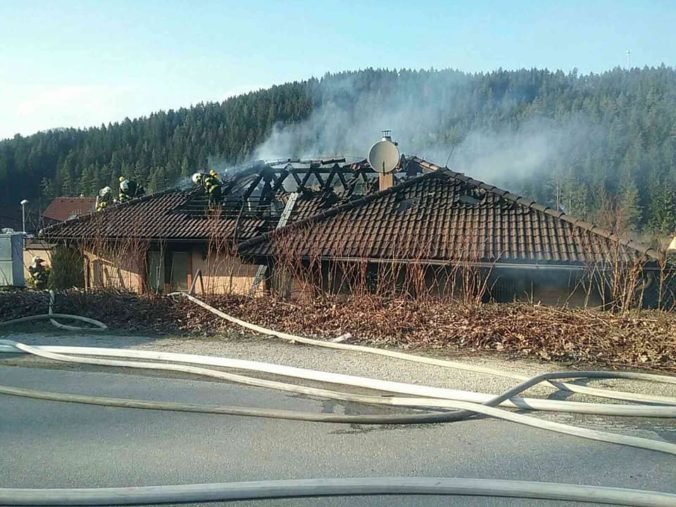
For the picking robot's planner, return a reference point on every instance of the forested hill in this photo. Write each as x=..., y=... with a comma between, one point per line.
x=584, y=142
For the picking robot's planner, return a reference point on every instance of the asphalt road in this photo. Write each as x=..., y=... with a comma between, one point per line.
x=51, y=444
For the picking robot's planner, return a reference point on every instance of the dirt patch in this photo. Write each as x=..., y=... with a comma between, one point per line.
x=645, y=339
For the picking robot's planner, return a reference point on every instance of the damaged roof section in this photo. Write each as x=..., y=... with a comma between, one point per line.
x=254, y=199
x=445, y=216
x=152, y=217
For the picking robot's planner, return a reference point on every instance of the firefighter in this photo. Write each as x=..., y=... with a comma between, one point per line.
x=104, y=199
x=129, y=189
x=211, y=184
x=39, y=273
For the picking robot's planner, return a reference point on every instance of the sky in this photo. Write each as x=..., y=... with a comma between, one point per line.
x=67, y=63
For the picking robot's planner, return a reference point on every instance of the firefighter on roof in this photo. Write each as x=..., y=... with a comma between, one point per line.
x=129, y=189
x=39, y=273
x=104, y=199
x=211, y=184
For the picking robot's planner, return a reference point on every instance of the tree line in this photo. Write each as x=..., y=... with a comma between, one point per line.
x=629, y=169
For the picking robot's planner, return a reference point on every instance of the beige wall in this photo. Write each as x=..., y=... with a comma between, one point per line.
x=221, y=274
x=124, y=274
x=224, y=274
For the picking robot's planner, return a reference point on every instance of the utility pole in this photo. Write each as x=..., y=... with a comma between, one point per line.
x=23, y=215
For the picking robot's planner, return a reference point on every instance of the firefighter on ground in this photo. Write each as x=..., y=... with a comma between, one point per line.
x=104, y=199
x=39, y=273
x=129, y=189
x=211, y=184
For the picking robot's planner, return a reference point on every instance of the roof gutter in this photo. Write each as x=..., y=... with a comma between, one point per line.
x=434, y=262
x=475, y=264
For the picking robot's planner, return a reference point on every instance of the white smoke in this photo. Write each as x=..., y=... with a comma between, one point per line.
x=425, y=112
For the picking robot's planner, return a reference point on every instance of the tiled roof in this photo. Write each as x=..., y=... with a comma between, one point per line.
x=153, y=217
x=443, y=216
x=63, y=208
x=171, y=215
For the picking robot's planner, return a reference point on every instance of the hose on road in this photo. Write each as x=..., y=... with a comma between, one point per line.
x=467, y=409
x=313, y=488
x=354, y=381
x=436, y=398
x=641, y=398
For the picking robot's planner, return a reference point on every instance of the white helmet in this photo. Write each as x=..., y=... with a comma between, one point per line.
x=124, y=185
x=37, y=259
x=105, y=191
x=196, y=178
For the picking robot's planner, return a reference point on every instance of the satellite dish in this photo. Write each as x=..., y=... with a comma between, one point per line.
x=384, y=156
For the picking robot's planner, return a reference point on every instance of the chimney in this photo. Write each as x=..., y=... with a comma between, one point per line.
x=385, y=181
x=384, y=157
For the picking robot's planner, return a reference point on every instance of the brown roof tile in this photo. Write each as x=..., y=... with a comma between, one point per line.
x=171, y=215
x=153, y=217
x=443, y=216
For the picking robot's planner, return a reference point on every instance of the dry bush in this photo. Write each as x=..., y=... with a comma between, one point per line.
x=119, y=263
x=406, y=271
x=622, y=276
x=629, y=339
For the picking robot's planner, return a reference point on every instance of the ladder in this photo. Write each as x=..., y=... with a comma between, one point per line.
x=283, y=219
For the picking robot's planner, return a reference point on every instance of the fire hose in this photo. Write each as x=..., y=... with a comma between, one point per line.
x=438, y=362
x=312, y=488
x=98, y=325
x=435, y=398
x=468, y=408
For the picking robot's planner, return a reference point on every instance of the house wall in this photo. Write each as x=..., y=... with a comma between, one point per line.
x=549, y=287
x=121, y=274
x=224, y=274
x=221, y=274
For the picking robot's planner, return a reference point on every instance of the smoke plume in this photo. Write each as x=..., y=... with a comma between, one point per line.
x=434, y=115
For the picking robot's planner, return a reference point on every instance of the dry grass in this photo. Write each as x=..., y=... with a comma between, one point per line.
x=630, y=339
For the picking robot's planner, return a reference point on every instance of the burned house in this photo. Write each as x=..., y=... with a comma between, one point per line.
x=158, y=242
x=443, y=233
x=287, y=226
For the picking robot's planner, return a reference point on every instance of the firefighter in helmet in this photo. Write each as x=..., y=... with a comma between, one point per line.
x=104, y=199
x=39, y=273
x=129, y=189
x=211, y=184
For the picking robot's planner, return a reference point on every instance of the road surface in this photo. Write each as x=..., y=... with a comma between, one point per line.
x=51, y=444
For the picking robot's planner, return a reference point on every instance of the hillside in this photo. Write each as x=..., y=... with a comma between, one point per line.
x=595, y=145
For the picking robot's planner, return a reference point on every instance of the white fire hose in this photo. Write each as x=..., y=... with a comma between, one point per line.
x=485, y=407
x=98, y=325
x=313, y=488
x=439, y=362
